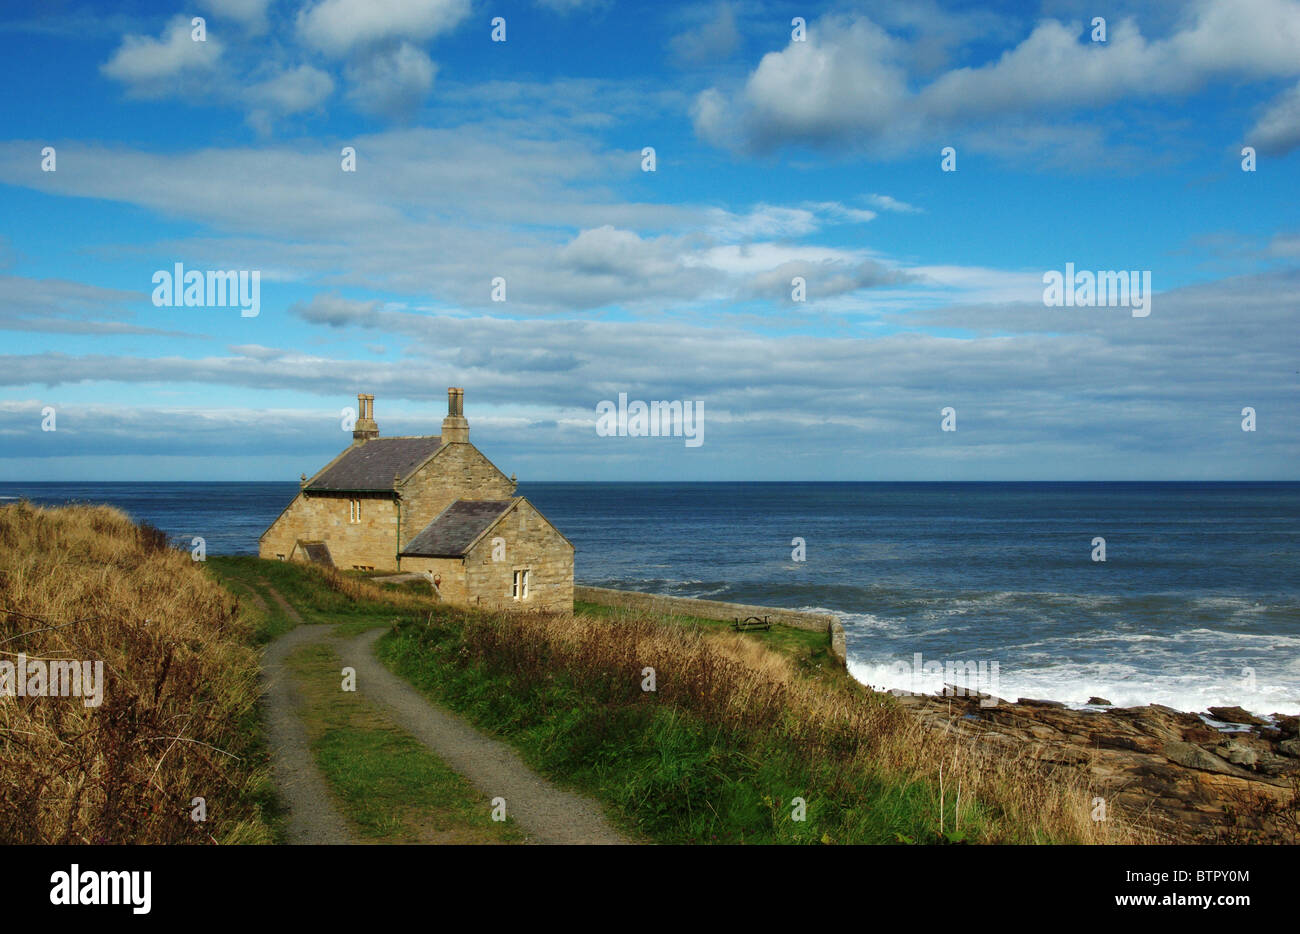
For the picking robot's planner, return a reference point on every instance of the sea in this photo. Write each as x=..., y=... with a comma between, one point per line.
x=1196, y=604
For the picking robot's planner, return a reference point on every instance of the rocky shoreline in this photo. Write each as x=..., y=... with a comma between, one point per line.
x=1190, y=781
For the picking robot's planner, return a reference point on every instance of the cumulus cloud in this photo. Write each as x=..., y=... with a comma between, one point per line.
x=849, y=84
x=291, y=91
x=150, y=66
x=336, y=27
x=267, y=88
x=845, y=79
x=373, y=44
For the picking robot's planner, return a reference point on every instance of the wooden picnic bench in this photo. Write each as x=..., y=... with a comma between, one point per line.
x=750, y=623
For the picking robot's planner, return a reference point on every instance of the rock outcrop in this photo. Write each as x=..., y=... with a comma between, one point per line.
x=1185, y=779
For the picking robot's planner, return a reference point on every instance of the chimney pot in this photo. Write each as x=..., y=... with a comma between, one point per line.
x=454, y=427
x=365, y=428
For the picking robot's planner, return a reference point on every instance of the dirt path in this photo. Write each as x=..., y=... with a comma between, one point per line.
x=313, y=819
x=546, y=813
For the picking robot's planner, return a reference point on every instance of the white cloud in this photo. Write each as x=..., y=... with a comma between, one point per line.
x=842, y=213
x=762, y=221
x=391, y=82
x=177, y=66
x=1078, y=392
x=845, y=79
x=823, y=279
x=336, y=27
x=257, y=351
x=848, y=84
x=250, y=13
x=1277, y=131
x=333, y=310
x=149, y=64
x=1050, y=67
x=439, y=213
x=61, y=306
x=886, y=203
x=711, y=41
x=292, y=90
x=1285, y=245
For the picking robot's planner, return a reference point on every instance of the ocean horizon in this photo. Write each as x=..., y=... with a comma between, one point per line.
x=1197, y=603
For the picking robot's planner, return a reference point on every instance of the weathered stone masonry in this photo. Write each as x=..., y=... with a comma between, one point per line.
x=430, y=503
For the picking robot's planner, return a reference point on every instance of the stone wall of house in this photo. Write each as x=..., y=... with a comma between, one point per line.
x=526, y=541
x=458, y=471
x=372, y=542
x=451, y=571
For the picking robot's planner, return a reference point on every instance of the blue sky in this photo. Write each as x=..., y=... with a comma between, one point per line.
x=777, y=158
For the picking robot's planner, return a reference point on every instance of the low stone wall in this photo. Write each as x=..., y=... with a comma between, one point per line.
x=717, y=609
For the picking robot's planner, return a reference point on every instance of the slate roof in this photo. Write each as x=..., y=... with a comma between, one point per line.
x=372, y=466
x=456, y=528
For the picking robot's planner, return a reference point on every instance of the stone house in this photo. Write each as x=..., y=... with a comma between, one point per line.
x=431, y=504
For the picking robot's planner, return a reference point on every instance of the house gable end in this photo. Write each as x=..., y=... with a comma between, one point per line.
x=429, y=467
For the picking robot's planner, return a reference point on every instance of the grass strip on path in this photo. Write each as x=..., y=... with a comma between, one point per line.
x=391, y=789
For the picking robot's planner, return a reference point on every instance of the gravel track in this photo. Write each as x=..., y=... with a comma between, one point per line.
x=546, y=813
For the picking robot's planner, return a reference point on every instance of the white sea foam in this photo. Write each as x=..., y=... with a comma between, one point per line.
x=1121, y=684
x=710, y=593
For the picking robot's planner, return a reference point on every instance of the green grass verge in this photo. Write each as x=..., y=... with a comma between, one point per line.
x=306, y=590
x=810, y=650
x=665, y=772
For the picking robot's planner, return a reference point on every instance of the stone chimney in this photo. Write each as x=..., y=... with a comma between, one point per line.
x=365, y=429
x=454, y=427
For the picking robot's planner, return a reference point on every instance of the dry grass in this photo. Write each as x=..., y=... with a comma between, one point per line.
x=743, y=686
x=359, y=589
x=178, y=719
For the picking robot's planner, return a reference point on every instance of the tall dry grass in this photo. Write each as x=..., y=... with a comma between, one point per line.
x=360, y=590
x=178, y=718
x=745, y=687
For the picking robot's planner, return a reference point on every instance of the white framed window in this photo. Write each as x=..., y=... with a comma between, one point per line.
x=354, y=511
x=520, y=589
